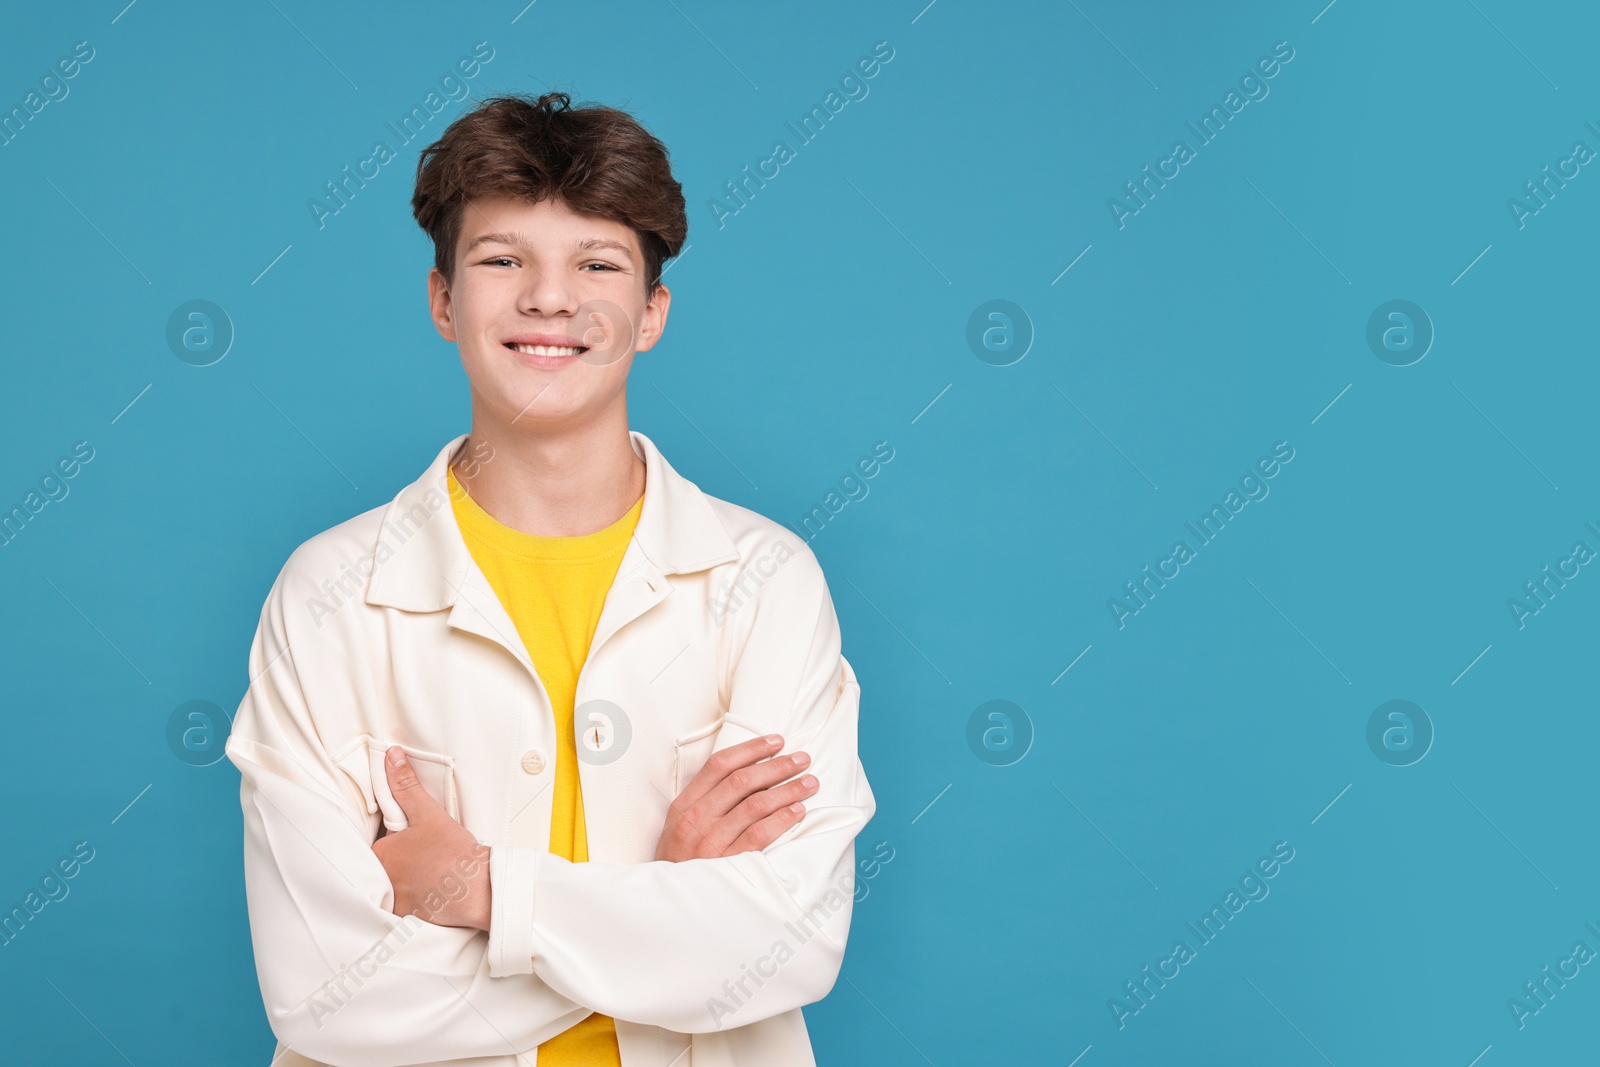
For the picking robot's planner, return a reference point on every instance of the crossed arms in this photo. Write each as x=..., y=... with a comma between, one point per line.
x=346, y=980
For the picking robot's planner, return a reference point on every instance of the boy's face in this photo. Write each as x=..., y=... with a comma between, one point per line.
x=548, y=307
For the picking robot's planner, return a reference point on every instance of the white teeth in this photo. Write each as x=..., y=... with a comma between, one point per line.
x=547, y=350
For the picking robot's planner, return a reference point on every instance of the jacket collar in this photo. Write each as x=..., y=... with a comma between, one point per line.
x=427, y=561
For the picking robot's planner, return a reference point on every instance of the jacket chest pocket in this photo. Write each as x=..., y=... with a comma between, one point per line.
x=690, y=752
x=363, y=760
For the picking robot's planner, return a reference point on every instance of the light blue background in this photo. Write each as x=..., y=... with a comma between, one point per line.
x=828, y=315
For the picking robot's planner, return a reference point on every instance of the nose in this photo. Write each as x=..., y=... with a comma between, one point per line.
x=547, y=292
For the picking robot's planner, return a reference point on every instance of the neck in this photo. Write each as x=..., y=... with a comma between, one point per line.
x=552, y=481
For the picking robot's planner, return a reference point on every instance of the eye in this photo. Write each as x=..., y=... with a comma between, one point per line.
x=501, y=259
x=602, y=266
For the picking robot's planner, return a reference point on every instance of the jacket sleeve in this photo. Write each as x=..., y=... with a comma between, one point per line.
x=344, y=980
x=708, y=944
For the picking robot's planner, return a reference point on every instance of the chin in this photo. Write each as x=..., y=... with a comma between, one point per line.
x=540, y=405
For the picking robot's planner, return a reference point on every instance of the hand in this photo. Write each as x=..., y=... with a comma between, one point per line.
x=439, y=871
x=736, y=804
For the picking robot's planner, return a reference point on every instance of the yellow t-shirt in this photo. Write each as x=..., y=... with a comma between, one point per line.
x=554, y=588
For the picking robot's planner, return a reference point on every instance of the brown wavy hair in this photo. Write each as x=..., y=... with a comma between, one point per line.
x=599, y=160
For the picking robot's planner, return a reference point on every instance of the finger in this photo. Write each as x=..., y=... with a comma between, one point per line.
x=688, y=834
x=708, y=833
x=765, y=831
x=759, y=805
x=723, y=763
x=750, y=781
x=407, y=787
x=720, y=835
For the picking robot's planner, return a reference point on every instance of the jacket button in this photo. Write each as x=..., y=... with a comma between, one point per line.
x=533, y=761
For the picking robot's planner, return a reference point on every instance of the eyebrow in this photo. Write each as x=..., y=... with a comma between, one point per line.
x=517, y=238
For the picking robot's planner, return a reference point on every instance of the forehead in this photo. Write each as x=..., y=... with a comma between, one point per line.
x=545, y=225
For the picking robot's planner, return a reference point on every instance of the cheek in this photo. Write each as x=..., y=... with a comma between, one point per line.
x=609, y=320
x=478, y=365
x=480, y=309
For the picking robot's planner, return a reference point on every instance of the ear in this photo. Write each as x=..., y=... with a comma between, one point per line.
x=655, y=319
x=440, y=306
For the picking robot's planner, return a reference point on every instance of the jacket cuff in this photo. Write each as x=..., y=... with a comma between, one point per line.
x=512, y=871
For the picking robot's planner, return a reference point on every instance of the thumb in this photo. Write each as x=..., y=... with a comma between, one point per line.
x=407, y=787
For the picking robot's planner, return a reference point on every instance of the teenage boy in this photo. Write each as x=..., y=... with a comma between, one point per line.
x=553, y=757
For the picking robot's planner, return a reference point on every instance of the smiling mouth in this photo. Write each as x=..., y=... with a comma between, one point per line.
x=548, y=350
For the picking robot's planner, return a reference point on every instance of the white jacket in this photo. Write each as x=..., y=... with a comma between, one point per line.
x=718, y=628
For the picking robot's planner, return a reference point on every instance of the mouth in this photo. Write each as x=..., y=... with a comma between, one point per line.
x=547, y=350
